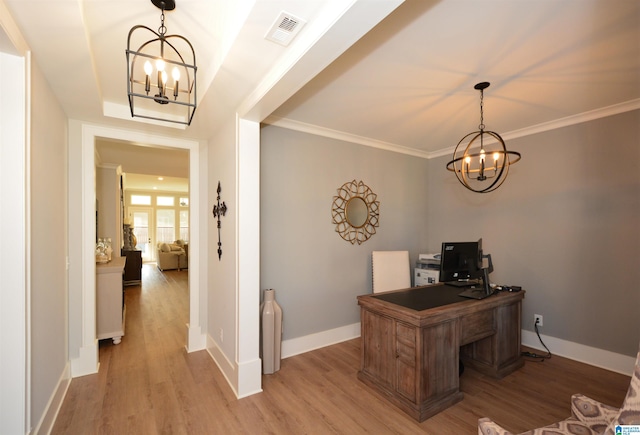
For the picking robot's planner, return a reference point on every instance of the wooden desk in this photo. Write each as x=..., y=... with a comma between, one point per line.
x=412, y=356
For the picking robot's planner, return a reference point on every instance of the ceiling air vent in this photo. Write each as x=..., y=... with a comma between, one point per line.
x=284, y=28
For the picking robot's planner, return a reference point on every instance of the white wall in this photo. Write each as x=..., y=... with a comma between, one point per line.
x=33, y=301
x=109, y=211
x=49, y=239
x=233, y=295
x=221, y=296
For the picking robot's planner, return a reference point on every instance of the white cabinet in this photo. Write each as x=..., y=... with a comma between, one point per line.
x=110, y=299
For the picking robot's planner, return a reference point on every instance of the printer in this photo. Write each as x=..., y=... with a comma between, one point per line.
x=427, y=270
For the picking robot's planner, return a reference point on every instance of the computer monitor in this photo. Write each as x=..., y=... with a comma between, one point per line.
x=461, y=263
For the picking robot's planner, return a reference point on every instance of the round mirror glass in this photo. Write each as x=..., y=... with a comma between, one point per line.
x=356, y=212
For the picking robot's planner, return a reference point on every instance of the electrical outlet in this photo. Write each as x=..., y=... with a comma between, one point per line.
x=221, y=335
x=537, y=318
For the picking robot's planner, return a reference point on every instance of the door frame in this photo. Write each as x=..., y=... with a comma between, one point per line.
x=15, y=229
x=82, y=138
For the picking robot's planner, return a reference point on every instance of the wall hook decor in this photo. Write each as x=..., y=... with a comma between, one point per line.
x=218, y=211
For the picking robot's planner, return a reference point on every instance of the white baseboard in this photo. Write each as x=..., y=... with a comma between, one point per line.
x=249, y=378
x=605, y=359
x=296, y=346
x=227, y=368
x=196, y=340
x=45, y=425
x=244, y=380
x=589, y=355
x=87, y=362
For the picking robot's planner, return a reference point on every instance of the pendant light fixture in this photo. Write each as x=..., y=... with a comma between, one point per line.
x=161, y=72
x=481, y=160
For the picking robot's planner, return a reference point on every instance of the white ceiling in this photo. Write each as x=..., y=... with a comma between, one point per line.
x=158, y=184
x=409, y=82
x=146, y=168
x=406, y=85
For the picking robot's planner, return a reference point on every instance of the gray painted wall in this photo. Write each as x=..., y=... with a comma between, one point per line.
x=316, y=274
x=565, y=226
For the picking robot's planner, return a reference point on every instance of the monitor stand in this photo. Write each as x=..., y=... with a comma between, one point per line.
x=475, y=293
x=463, y=283
x=482, y=291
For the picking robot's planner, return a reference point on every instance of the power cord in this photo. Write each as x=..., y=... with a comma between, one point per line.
x=535, y=355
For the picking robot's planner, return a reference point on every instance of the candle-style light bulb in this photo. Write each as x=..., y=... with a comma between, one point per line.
x=160, y=68
x=496, y=157
x=148, y=69
x=176, y=79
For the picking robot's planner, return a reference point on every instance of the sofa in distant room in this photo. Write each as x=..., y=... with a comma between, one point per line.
x=172, y=256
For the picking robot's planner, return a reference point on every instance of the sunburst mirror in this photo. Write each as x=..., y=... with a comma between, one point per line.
x=355, y=212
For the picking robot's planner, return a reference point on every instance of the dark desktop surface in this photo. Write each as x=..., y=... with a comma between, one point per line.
x=423, y=298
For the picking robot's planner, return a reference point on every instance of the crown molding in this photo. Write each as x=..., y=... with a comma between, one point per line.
x=591, y=115
x=340, y=135
x=579, y=118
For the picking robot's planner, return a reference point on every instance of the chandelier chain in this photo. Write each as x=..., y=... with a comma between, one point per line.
x=162, y=29
x=481, y=126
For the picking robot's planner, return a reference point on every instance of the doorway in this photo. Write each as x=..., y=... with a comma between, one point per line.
x=82, y=340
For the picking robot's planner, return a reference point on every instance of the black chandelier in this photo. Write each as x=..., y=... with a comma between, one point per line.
x=470, y=162
x=148, y=69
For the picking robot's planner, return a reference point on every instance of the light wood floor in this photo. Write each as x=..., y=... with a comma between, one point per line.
x=149, y=384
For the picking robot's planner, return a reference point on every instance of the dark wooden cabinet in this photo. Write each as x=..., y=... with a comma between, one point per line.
x=133, y=267
x=412, y=356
